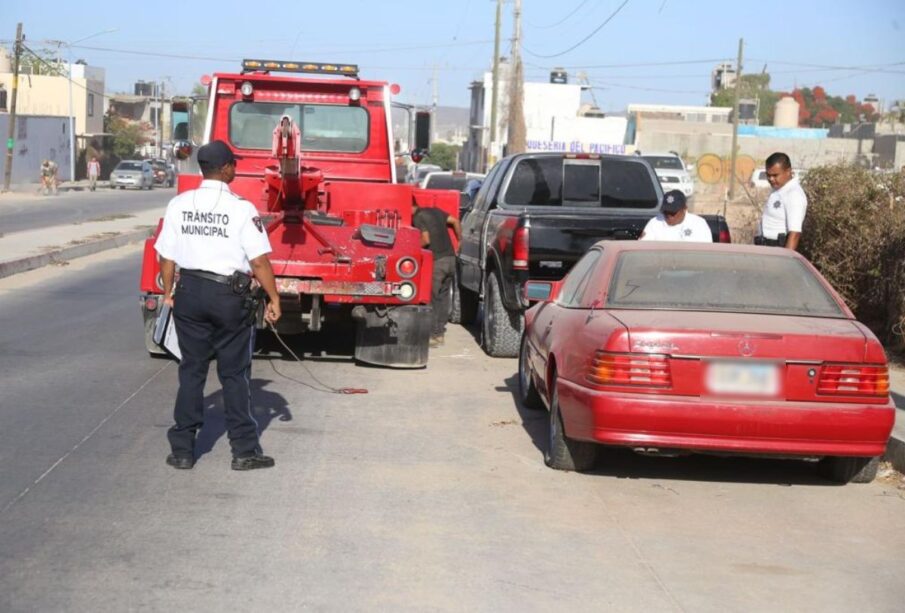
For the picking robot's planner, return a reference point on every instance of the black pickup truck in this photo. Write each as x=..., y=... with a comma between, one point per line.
x=535, y=215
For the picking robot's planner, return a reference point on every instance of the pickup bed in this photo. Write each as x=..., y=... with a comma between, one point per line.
x=535, y=215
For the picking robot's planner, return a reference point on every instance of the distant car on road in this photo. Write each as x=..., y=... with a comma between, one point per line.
x=132, y=173
x=671, y=172
x=457, y=180
x=164, y=173
x=671, y=349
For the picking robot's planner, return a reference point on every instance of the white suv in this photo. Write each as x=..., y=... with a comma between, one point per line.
x=671, y=171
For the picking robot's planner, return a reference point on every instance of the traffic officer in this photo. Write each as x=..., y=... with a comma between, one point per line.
x=675, y=223
x=784, y=211
x=217, y=239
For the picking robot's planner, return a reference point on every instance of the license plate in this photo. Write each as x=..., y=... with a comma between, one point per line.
x=749, y=379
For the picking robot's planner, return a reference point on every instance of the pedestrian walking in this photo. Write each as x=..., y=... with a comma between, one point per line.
x=217, y=240
x=433, y=224
x=94, y=171
x=786, y=206
x=675, y=223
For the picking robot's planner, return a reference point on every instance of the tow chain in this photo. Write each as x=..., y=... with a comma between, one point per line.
x=327, y=389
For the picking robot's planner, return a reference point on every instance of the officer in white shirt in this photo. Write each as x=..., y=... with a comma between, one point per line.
x=217, y=240
x=675, y=223
x=784, y=211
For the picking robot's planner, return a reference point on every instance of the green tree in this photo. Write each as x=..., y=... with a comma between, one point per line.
x=751, y=86
x=444, y=155
x=127, y=136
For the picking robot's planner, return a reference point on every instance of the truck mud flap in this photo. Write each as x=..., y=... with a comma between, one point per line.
x=395, y=336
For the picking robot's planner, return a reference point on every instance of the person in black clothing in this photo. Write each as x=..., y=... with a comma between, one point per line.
x=433, y=224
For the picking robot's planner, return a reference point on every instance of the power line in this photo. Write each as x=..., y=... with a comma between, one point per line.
x=586, y=38
x=637, y=64
x=553, y=25
x=59, y=73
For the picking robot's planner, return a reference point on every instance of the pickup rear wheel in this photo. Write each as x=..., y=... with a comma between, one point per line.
x=527, y=391
x=562, y=452
x=502, y=329
x=849, y=469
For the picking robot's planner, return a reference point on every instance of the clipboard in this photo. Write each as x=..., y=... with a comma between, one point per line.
x=165, y=332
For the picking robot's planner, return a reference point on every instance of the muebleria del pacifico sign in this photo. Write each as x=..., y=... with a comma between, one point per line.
x=575, y=146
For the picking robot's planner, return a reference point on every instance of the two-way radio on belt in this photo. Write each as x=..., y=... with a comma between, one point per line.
x=327, y=388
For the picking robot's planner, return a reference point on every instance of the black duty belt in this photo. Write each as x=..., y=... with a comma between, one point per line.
x=203, y=274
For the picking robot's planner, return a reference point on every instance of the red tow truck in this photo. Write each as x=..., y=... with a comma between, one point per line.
x=316, y=158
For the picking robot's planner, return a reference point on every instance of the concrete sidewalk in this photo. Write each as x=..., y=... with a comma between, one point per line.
x=21, y=251
x=895, y=451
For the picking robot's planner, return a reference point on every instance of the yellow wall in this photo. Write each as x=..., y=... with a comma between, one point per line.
x=49, y=95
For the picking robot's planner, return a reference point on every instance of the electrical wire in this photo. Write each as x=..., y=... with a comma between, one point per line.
x=553, y=25
x=586, y=38
x=326, y=388
x=58, y=72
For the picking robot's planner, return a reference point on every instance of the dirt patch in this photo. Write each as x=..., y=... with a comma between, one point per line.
x=889, y=476
x=112, y=217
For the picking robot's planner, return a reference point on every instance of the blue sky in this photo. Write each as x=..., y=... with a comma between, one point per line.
x=801, y=42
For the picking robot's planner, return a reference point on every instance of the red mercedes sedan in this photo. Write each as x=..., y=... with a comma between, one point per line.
x=673, y=348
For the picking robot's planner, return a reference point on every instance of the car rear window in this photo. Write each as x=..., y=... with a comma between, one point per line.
x=719, y=281
x=129, y=166
x=324, y=127
x=664, y=162
x=618, y=184
x=446, y=182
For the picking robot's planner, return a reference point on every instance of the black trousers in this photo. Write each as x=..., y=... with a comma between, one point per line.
x=441, y=292
x=210, y=324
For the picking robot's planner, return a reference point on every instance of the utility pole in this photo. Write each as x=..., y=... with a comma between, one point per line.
x=516, y=133
x=17, y=53
x=738, y=86
x=491, y=157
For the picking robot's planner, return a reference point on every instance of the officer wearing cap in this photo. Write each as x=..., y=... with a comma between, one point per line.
x=784, y=211
x=675, y=223
x=217, y=239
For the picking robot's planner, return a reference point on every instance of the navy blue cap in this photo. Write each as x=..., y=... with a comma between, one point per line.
x=673, y=201
x=215, y=154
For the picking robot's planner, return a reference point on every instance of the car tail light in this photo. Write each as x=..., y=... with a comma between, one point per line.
x=629, y=369
x=853, y=380
x=520, y=249
x=407, y=268
x=724, y=236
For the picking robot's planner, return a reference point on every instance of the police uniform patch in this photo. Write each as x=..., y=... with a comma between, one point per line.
x=687, y=231
x=258, y=224
x=777, y=204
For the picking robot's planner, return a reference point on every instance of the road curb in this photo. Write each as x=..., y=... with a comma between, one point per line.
x=895, y=453
x=72, y=252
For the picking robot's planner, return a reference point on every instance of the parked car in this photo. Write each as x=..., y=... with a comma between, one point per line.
x=759, y=178
x=132, y=173
x=671, y=171
x=457, y=180
x=672, y=348
x=164, y=173
x=417, y=172
x=535, y=215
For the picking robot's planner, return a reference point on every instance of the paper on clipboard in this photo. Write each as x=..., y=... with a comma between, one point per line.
x=165, y=332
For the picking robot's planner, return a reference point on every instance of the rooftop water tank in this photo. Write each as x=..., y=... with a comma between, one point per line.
x=786, y=114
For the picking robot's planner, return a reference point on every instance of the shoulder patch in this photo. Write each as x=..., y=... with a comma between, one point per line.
x=258, y=223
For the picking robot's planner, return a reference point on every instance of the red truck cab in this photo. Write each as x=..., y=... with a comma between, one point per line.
x=316, y=159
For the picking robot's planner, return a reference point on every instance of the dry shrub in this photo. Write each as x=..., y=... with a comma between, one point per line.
x=854, y=233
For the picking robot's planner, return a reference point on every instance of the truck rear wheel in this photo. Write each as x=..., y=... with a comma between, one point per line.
x=502, y=329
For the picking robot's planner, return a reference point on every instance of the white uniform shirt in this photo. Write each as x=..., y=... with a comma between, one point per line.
x=212, y=229
x=692, y=229
x=784, y=211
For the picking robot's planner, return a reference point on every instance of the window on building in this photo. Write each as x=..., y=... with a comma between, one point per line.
x=90, y=105
x=2, y=99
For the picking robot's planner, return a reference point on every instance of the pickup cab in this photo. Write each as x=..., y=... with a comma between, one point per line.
x=535, y=216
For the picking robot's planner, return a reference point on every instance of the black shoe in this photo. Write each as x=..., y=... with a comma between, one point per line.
x=180, y=462
x=252, y=462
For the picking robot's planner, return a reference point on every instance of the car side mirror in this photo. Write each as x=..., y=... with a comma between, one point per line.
x=182, y=150
x=541, y=291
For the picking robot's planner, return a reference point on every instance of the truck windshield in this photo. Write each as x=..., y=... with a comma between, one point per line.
x=622, y=184
x=324, y=127
x=664, y=162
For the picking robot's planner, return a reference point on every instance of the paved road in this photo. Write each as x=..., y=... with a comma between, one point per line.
x=27, y=212
x=429, y=493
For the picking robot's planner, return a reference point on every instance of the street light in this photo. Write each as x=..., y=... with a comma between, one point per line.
x=69, y=45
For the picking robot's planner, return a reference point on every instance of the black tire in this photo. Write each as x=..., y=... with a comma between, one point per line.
x=464, y=308
x=502, y=329
x=527, y=391
x=844, y=469
x=562, y=452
